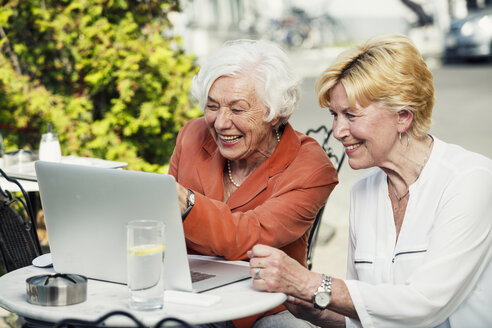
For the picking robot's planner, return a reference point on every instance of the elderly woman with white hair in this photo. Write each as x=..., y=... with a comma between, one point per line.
x=244, y=175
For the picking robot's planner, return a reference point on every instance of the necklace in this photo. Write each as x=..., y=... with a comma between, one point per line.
x=229, y=171
x=237, y=185
x=393, y=188
x=277, y=135
x=394, y=191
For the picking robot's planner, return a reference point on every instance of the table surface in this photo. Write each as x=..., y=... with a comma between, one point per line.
x=236, y=301
x=25, y=173
x=29, y=186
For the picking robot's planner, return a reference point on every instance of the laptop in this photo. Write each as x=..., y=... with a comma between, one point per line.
x=86, y=210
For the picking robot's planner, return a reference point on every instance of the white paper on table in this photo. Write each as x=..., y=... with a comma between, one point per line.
x=174, y=296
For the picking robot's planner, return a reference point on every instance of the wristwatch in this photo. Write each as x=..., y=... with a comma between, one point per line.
x=322, y=297
x=190, y=201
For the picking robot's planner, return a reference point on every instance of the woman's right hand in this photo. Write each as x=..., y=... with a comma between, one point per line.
x=280, y=273
x=277, y=272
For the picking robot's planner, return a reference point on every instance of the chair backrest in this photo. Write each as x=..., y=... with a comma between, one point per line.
x=19, y=243
x=337, y=161
x=324, y=141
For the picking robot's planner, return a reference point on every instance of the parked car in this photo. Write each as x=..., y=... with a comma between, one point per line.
x=470, y=37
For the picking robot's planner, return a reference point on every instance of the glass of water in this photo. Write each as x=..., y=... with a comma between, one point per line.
x=145, y=264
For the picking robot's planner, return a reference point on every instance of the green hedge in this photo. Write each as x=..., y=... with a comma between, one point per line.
x=103, y=72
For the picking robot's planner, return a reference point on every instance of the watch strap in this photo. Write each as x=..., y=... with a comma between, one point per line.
x=325, y=287
x=328, y=284
x=190, y=201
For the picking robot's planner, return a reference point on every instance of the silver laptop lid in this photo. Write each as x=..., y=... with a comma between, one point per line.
x=86, y=210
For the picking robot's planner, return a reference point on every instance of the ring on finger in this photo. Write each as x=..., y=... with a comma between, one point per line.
x=256, y=273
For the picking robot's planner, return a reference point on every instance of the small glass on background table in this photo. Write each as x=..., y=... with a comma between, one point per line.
x=49, y=148
x=145, y=264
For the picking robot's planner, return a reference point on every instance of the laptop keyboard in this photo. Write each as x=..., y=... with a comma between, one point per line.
x=199, y=276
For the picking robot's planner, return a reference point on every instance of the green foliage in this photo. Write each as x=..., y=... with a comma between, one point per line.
x=101, y=71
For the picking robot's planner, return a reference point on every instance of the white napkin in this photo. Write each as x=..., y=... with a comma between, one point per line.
x=173, y=296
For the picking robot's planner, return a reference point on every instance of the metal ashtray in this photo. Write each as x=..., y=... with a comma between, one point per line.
x=56, y=289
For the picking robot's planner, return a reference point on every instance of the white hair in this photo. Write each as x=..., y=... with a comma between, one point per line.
x=278, y=87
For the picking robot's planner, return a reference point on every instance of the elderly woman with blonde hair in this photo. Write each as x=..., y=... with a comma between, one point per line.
x=420, y=237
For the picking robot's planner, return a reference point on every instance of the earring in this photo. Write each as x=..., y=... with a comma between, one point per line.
x=408, y=139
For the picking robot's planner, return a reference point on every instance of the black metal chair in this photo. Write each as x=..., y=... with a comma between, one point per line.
x=70, y=323
x=337, y=162
x=19, y=243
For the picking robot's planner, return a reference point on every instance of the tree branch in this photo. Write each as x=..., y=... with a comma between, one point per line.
x=9, y=52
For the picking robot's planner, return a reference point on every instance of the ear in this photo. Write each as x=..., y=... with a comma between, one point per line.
x=405, y=118
x=274, y=121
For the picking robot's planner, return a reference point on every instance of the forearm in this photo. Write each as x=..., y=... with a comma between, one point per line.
x=212, y=228
x=341, y=302
x=280, y=273
x=212, y=225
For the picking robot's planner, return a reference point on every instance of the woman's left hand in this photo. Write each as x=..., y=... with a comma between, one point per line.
x=274, y=271
x=306, y=311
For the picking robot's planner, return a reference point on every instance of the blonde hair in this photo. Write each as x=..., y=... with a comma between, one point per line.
x=387, y=70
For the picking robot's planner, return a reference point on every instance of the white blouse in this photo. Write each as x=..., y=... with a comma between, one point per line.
x=439, y=272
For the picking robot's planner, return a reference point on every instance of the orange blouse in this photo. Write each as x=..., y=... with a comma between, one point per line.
x=276, y=205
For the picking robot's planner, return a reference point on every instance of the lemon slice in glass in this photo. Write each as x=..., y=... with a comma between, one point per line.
x=146, y=249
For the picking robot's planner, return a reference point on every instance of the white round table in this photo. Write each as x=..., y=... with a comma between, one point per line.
x=237, y=300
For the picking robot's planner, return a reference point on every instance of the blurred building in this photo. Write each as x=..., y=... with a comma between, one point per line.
x=206, y=24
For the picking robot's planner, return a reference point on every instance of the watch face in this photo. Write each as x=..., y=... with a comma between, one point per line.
x=191, y=199
x=322, y=299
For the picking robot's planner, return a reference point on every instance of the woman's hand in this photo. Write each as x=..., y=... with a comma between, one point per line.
x=275, y=271
x=306, y=311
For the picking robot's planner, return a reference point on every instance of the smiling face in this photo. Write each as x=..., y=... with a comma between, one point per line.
x=234, y=114
x=368, y=133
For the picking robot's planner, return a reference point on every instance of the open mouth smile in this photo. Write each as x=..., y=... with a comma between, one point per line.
x=352, y=148
x=230, y=140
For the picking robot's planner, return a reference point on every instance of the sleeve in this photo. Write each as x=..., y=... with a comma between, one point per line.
x=277, y=221
x=351, y=272
x=460, y=250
